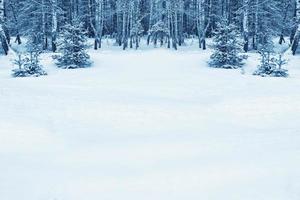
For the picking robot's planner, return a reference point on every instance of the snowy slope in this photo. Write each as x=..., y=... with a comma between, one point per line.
x=152, y=124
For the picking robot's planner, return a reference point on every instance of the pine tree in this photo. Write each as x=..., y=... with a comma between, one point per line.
x=227, y=48
x=29, y=65
x=73, y=47
x=271, y=66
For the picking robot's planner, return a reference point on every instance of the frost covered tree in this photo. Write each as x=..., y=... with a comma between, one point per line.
x=159, y=31
x=3, y=36
x=127, y=21
x=203, y=20
x=227, y=47
x=269, y=65
x=28, y=66
x=28, y=63
x=296, y=37
x=14, y=8
x=136, y=33
x=54, y=29
x=73, y=46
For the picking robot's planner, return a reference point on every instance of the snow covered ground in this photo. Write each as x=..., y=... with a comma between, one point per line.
x=150, y=124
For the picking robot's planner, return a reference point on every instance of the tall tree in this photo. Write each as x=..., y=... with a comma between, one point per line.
x=4, y=41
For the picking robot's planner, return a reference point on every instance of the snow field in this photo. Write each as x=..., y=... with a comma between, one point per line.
x=149, y=124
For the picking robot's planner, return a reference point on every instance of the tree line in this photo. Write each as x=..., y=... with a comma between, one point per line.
x=162, y=22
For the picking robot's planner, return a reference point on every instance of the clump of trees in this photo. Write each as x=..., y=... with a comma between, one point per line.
x=270, y=65
x=28, y=65
x=159, y=32
x=127, y=20
x=28, y=62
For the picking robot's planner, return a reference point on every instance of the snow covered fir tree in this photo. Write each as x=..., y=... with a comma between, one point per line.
x=227, y=47
x=271, y=65
x=73, y=47
x=28, y=65
x=28, y=62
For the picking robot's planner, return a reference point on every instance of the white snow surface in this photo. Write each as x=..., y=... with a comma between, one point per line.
x=151, y=124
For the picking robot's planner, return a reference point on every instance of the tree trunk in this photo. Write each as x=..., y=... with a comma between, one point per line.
x=296, y=38
x=246, y=25
x=54, y=26
x=3, y=38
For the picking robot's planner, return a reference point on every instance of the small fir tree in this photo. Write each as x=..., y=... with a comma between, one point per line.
x=271, y=66
x=227, y=47
x=73, y=46
x=279, y=71
x=29, y=64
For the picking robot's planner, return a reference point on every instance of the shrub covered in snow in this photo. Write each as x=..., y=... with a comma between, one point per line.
x=269, y=65
x=73, y=46
x=28, y=60
x=28, y=66
x=227, y=48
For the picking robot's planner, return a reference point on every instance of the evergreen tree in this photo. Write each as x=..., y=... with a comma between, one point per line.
x=269, y=65
x=29, y=65
x=73, y=47
x=227, y=48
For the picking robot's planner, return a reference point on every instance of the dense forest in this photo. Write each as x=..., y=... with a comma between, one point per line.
x=167, y=22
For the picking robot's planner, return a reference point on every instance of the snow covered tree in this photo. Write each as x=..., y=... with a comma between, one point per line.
x=280, y=71
x=136, y=32
x=266, y=62
x=3, y=38
x=73, y=47
x=269, y=65
x=296, y=37
x=246, y=25
x=128, y=20
x=14, y=9
x=98, y=23
x=54, y=25
x=29, y=65
x=203, y=20
x=159, y=31
x=227, y=47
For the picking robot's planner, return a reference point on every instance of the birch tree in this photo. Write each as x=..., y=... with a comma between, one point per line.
x=4, y=42
x=296, y=38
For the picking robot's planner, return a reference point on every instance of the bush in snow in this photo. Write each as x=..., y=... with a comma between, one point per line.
x=270, y=65
x=29, y=65
x=227, y=47
x=279, y=71
x=73, y=47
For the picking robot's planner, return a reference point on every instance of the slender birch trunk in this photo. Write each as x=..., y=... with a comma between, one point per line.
x=3, y=38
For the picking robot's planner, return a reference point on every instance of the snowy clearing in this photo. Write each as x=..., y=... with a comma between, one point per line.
x=152, y=124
